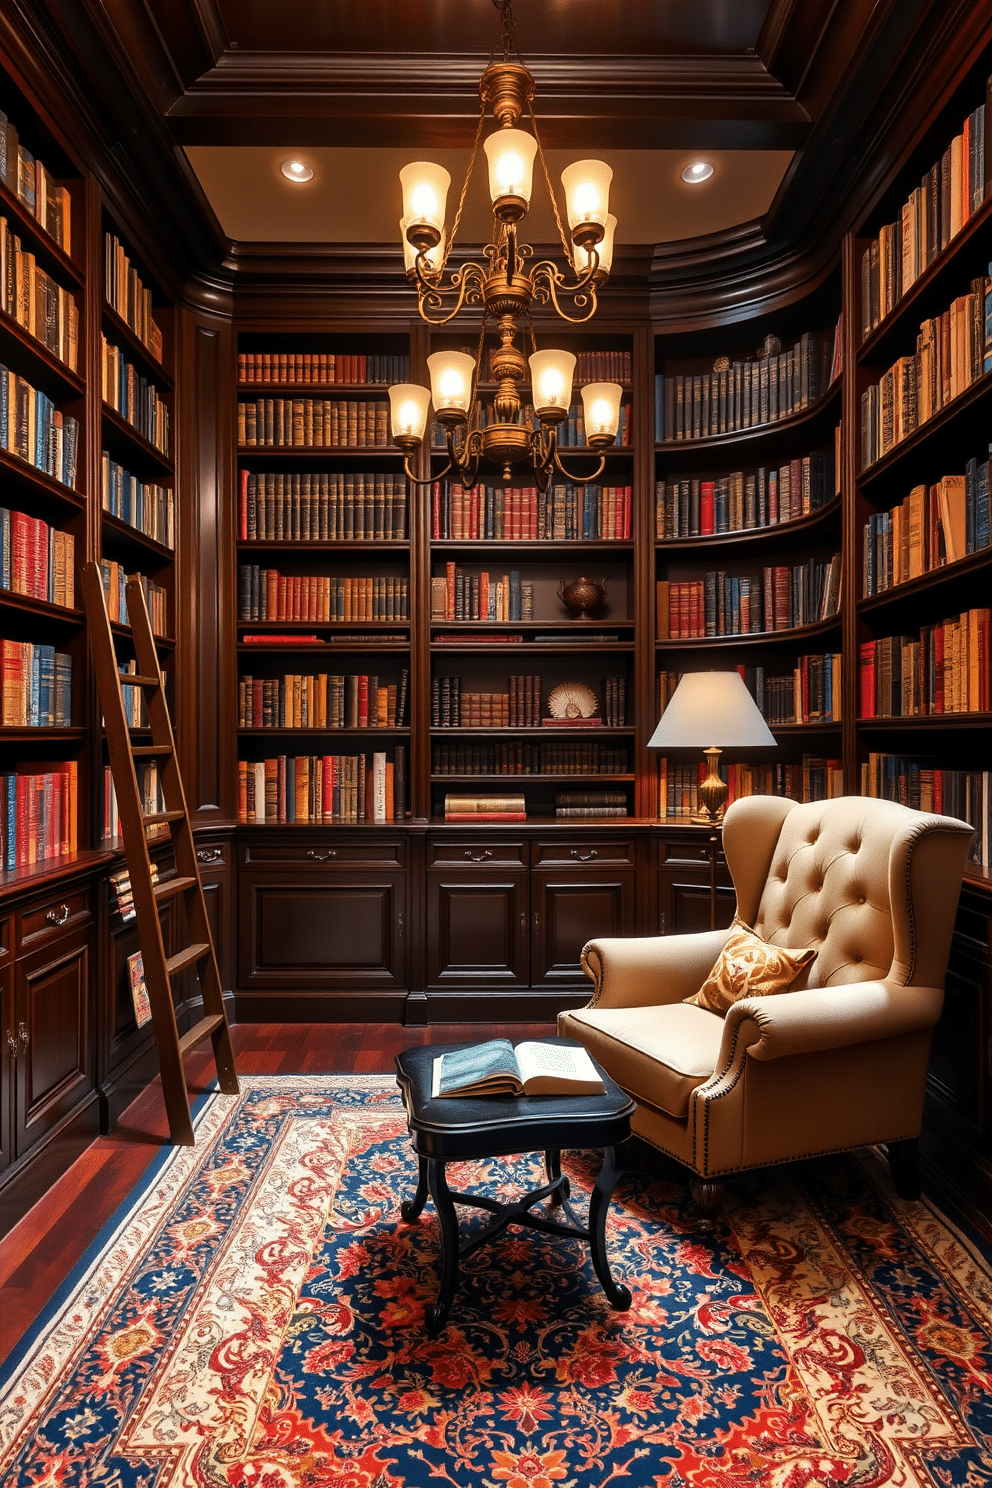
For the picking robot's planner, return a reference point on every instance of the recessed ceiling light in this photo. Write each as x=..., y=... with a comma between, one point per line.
x=699, y=170
x=297, y=170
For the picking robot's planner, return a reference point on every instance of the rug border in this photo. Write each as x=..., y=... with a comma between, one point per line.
x=36, y=1331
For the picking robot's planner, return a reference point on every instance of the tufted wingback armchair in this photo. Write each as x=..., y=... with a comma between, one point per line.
x=840, y=1060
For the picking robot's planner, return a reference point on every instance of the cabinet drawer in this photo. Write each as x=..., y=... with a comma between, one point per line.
x=478, y=854
x=584, y=854
x=677, y=854
x=373, y=854
x=44, y=921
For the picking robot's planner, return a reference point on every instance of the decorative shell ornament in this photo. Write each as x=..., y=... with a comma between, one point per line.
x=722, y=364
x=573, y=700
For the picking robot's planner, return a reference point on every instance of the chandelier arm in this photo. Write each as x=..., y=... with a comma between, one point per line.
x=467, y=281
x=549, y=269
x=434, y=476
x=566, y=246
x=550, y=279
x=579, y=480
x=468, y=176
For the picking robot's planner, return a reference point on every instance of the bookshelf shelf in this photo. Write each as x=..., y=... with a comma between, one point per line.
x=48, y=253
x=533, y=548
x=796, y=636
x=966, y=419
x=534, y=648
x=548, y=735
x=39, y=486
x=118, y=534
x=927, y=722
x=12, y=735
x=325, y=389
x=935, y=582
x=117, y=432
x=120, y=331
x=776, y=535
x=323, y=649
x=560, y=779
x=42, y=366
x=249, y=452
x=373, y=731
x=825, y=411
x=162, y=643
x=23, y=604
x=324, y=545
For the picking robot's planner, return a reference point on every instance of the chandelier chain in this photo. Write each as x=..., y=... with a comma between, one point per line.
x=468, y=176
x=505, y=39
x=551, y=190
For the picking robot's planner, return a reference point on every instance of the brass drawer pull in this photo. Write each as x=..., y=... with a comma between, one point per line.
x=584, y=857
x=22, y=1035
x=478, y=857
x=57, y=917
x=322, y=856
x=210, y=855
x=11, y=1044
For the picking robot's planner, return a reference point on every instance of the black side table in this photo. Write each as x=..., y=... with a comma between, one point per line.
x=453, y=1129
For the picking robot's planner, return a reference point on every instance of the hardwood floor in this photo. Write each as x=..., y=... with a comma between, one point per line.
x=41, y=1251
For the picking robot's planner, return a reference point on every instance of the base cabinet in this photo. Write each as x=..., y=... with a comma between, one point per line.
x=477, y=923
x=569, y=909
x=687, y=896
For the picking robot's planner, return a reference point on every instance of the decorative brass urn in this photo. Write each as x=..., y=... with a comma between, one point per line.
x=582, y=596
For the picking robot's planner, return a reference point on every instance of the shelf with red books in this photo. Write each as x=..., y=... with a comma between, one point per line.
x=816, y=525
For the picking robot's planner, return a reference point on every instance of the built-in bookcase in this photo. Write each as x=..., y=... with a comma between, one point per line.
x=747, y=538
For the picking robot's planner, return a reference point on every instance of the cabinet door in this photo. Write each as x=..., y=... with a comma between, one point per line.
x=327, y=933
x=51, y=1013
x=684, y=888
x=568, y=909
x=8, y=1067
x=477, y=929
x=215, y=875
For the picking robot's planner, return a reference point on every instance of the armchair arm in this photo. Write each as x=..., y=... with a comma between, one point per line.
x=650, y=970
x=827, y=1018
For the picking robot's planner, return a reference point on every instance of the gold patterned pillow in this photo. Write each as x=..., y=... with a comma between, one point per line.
x=748, y=967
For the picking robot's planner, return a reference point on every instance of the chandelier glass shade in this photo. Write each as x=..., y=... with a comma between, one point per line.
x=504, y=285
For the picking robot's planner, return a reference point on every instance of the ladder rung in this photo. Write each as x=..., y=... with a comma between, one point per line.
x=128, y=679
x=162, y=816
x=199, y=1032
x=149, y=751
x=182, y=959
x=173, y=886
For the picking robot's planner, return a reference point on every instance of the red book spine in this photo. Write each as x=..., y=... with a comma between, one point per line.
x=707, y=512
x=868, y=679
x=363, y=702
x=243, y=518
x=436, y=510
x=485, y=816
x=21, y=821
x=626, y=512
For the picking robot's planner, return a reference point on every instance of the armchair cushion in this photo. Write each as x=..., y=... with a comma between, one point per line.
x=748, y=967
x=659, y=1054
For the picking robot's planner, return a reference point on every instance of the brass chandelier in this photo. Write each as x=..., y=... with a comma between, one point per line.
x=505, y=286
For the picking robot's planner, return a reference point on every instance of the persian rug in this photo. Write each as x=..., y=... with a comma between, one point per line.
x=253, y=1316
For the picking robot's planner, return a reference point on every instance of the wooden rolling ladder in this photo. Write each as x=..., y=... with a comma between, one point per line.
x=185, y=883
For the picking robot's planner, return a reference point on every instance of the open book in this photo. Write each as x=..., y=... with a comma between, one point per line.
x=497, y=1068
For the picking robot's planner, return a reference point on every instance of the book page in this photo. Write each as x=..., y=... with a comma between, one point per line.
x=556, y=1067
x=464, y=1068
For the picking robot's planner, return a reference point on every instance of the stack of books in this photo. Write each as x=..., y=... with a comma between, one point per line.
x=485, y=809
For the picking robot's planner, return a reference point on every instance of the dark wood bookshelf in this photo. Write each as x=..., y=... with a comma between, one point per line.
x=772, y=535
x=797, y=634
x=138, y=449
x=40, y=242
x=121, y=332
x=823, y=409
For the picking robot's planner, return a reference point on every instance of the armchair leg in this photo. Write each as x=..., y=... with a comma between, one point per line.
x=904, y=1165
x=708, y=1197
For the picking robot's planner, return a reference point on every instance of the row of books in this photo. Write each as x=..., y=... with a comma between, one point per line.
x=326, y=701
x=325, y=506
x=37, y=560
x=137, y=400
x=32, y=428
x=313, y=423
x=135, y=709
x=746, y=394
x=814, y=778
x=115, y=578
x=520, y=707
x=35, y=301
x=590, y=804
x=590, y=366
x=321, y=367
x=456, y=595
x=148, y=507
x=34, y=186
x=720, y=604
x=615, y=702
x=152, y=801
x=571, y=432
x=485, y=808
x=265, y=594
x=38, y=816
x=129, y=296
x=742, y=501
x=945, y=669
x=35, y=686
x=122, y=902
x=934, y=525
x=810, y=693
x=562, y=513
x=925, y=785
x=948, y=196
x=949, y=357
x=329, y=789
x=522, y=758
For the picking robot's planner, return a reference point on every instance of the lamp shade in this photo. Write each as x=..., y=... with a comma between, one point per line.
x=587, y=192
x=601, y=410
x=425, y=191
x=433, y=255
x=451, y=380
x=711, y=710
x=510, y=153
x=583, y=256
x=551, y=375
x=408, y=404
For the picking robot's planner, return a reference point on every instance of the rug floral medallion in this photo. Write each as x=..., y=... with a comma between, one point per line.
x=253, y=1318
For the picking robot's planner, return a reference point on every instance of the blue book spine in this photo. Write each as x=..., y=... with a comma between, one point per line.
x=10, y=836
x=4, y=408
x=588, y=494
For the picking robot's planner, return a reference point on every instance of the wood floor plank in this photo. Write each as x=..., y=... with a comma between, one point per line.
x=37, y=1255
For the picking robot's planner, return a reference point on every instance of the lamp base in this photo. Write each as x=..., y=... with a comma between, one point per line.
x=712, y=793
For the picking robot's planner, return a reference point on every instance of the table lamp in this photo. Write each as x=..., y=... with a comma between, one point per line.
x=711, y=711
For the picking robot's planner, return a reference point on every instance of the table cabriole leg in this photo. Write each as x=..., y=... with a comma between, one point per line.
x=411, y=1208
x=437, y=1316
x=599, y=1201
